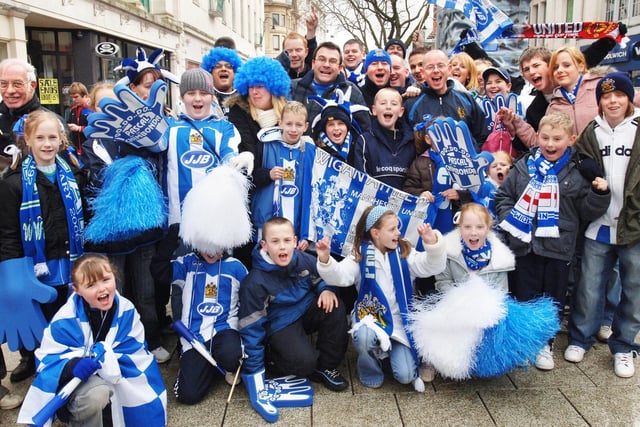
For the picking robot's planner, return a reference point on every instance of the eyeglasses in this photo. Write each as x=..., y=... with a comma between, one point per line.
x=432, y=67
x=17, y=84
x=330, y=61
x=221, y=65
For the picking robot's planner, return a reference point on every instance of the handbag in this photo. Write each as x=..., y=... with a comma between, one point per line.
x=499, y=140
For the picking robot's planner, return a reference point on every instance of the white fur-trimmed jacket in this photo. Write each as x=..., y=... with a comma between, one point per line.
x=502, y=261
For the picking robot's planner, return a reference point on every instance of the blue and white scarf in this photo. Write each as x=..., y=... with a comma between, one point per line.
x=341, y=149
x=372, y=308
x=541, y=199
x=139, y=398
x=32, y=223
x=479, y=258
x=571, y=96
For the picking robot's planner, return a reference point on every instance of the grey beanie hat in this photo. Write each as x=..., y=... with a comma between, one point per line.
x=196, y=79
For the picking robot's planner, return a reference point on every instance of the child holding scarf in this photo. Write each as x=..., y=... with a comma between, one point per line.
x=539, y=207
x=383, y=266
x=41, y=228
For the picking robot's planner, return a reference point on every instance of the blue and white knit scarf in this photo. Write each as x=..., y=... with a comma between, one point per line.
x=541, y=199
x=341, y=149
x=477, y=259
x=372, y=308
x=32, y=223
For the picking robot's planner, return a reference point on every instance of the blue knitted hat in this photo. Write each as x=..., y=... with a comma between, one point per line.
x=262, y=71
x=615, y=81
x=218, y=54
x=375, y=55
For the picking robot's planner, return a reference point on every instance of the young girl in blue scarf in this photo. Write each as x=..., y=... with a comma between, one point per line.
x=383, y=266
x=41, y=228
x=472, y=248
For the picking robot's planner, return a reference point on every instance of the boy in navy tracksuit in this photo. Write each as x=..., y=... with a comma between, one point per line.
x=386, y=151
x=281, y=301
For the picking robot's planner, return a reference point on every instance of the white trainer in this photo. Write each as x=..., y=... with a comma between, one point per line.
x=623, y=365
x=544, y=359
x=604, y=333
x=11, y=401
x=161, y=355
x=574, y=353
x=427, y=372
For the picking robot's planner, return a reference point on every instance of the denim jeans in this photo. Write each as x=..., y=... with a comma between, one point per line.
x=370, y=371
x=598, y=262
x=614, y=288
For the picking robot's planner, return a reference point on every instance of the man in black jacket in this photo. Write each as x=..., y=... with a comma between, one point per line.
x=18, y=90
x=323, y=80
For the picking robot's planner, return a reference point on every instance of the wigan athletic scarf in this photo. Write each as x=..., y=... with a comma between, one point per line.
x=341, y=149
x=140, y=397
x=32, y=223
x=372, y=308
x=541, y=199
x=479, y=258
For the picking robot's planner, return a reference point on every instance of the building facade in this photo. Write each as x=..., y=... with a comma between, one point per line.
x=82, y=40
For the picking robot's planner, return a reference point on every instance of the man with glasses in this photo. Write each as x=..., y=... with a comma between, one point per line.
x=18, y=91
x=439, y=98
x=222, y=63
x=323, y=80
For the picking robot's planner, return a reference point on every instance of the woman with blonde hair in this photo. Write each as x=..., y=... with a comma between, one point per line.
x=263, y=87
x=575, y=87
x=463, y=68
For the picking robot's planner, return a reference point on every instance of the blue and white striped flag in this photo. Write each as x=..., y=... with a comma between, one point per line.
x=139, y=395
x=490, y=21
x=340, y=193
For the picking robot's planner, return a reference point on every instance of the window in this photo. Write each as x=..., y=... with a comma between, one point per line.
x=608, y=16
x=275, y=42
x=635, y=11
x=278, y=20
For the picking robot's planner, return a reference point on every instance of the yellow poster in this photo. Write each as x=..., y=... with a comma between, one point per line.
x=49, y=93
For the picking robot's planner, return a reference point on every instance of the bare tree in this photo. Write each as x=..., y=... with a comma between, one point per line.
x=376, y=21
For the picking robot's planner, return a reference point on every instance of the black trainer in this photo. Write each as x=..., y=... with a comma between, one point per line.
x=331, y=378
x=24, y=370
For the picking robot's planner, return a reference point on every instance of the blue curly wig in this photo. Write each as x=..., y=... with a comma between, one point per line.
x=262, y=71
x=218, y=54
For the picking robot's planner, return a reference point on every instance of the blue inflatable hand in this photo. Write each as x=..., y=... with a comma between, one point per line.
x=132, y=120
x=22, y=320
x=289, y=392
x=259, y=397
x=491, y=107
x=455, y=145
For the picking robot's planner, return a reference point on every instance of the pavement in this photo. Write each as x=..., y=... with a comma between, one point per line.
x=583, y=394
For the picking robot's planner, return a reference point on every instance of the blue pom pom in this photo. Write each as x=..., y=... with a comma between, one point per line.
x=517, y=338
x=129, y=203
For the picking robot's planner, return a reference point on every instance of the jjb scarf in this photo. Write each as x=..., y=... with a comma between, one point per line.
x=139, y=398
x=540, y=199
x=32, y=223
x=372, y=308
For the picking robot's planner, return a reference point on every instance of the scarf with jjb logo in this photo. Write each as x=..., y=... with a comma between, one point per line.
x=539, y=200
x=372, y=307
x=32, y=223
